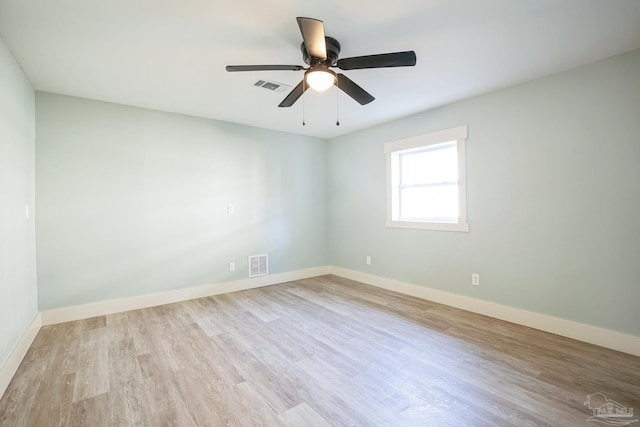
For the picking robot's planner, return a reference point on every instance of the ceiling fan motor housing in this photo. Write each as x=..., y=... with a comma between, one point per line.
x=333, y=51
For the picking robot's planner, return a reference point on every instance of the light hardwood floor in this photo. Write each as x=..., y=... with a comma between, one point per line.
x=318, y=352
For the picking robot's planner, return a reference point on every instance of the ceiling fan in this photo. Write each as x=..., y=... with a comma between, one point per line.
x=321, y=53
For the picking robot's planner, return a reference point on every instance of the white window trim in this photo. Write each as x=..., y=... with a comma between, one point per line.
x=458, y=134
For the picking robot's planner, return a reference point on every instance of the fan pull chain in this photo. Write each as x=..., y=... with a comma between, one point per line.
x=303, y=98
x=337, y=106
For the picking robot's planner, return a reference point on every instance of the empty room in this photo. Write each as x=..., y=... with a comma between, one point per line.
x=295, y=213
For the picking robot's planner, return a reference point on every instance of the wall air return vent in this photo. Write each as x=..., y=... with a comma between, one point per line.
x=258, y=265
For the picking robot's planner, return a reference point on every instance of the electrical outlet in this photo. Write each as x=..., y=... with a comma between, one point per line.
x=475, y=279
x=232, y=266
x=230, y=209
x=368, y=260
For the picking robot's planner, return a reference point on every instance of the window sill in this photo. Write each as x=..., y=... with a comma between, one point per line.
x=440, y=226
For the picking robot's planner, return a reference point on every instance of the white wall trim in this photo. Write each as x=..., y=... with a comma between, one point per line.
x=10, y=366
x=555, y=325
x=67, y=314
x=567, y=328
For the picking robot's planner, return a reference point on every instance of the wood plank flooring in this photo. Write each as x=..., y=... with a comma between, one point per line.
x=318, y=352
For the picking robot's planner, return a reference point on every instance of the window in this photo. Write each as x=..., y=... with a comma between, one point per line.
x=426, y=181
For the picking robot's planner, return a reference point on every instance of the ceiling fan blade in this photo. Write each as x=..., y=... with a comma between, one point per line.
x=264, y=67
x=313, y=35
x=396, y=59
x=349, y=87
x=294, y=95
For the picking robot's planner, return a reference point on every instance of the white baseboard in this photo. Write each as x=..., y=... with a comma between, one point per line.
x=10, y=366
x=580, y=331
x=67, y=314
x=567, y=328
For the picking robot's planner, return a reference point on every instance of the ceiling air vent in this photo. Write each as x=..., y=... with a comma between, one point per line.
x=272, y=86
x=258, y=265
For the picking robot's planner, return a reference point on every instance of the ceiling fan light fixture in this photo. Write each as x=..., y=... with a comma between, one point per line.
x=321, y=52
x=320, y=79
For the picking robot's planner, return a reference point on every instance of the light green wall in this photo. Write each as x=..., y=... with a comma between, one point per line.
x=18, y=291
x=134, y=201
x=553, y=172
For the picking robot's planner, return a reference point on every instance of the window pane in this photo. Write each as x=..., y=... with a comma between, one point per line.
x=429, y=203
x=431, y=166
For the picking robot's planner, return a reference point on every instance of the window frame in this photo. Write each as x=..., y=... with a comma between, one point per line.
x=457, y=135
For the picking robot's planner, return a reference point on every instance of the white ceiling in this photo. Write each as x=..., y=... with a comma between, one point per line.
x=170, y=55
